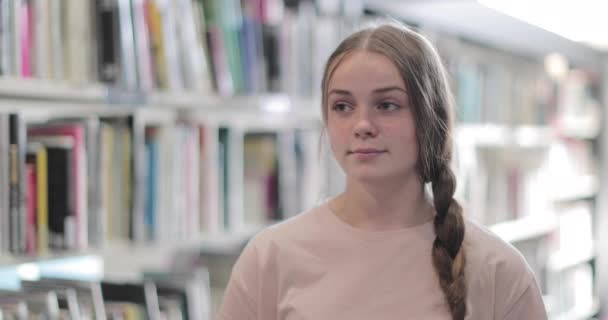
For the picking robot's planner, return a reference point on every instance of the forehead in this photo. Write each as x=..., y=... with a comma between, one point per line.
x=363, y=68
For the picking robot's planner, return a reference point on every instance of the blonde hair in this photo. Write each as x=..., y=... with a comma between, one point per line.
x=426, y=82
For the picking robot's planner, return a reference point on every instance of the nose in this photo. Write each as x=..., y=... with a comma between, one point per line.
x=364, y=124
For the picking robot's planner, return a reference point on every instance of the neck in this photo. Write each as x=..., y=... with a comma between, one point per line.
x=383, y=206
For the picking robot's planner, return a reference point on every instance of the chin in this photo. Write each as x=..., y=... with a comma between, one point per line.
x=379, y=176
x=370, y=177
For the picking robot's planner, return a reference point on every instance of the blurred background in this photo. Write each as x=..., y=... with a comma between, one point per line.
x=144, y=142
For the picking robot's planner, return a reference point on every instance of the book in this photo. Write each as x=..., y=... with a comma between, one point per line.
x=108, y=35
x=134, y=136
x=143, y=295
x=42, y=58
x=37, y=156
x=212, y=219
x=78, y=43
x=230, y=21
x=125, y=311
x=5, y=38
x=30, y=204
x=142, y=45
x=24, y=10
x=223, y=79
x=125, y=174
x=91, y=126
x=15, y=16
x=79, y=174
x=17, y=310
x=191, y=286
x=22, y=305
x=151, y=182
x=106, y=144
x=67, y=297
x=128, y=58
x=17, y=214
x=61, y=220
x=88, y=295
x=232, y=177
x=224, y=154
x=4, y=183
x=261, y=178
x=170, y=44
x=120, y=214
x=192, y=62
x=157, y=44
x=57, y=40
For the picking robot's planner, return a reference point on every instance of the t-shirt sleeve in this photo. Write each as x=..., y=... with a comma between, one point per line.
x=241, y=295
x=529, y=306
x=517, y=294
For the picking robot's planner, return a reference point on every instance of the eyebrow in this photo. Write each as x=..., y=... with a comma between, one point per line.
x=378, y=90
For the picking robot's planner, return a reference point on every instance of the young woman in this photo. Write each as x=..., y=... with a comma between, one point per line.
x=383, y=249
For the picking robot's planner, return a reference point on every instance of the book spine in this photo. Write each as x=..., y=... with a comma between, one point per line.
x=17, y=187
x=4, y=184
x=127, y=46
x=25, y=37
x=42, y=201
x=31, y=199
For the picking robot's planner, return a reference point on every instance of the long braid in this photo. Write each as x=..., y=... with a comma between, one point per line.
x=435, y=144
x=448, y=254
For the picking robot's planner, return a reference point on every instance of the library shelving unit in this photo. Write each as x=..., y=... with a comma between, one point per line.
x=264, y=122
x=134, y=133
x=190, y=125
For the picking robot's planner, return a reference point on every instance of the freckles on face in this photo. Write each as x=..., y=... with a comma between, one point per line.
x=368, y=110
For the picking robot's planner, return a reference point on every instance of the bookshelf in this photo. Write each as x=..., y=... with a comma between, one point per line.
x=557, y=231
x=232, y=82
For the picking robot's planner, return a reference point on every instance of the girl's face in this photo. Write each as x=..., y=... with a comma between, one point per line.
x=370, y=121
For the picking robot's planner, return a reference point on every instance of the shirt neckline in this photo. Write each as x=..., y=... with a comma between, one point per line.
x=425, y=229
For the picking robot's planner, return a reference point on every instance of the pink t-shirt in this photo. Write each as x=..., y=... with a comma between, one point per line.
x=315, y=266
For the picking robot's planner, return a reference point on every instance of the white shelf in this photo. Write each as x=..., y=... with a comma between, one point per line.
x=586, y=126
x=526, y=228
x=581, y=314
x=561, y=260
x=222, y=243
x=38, y=89
x=489, y=135
x=39, y=100
x=580, y=188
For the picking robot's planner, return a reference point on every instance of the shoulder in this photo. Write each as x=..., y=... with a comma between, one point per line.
x=495, y=268
x=487, y=248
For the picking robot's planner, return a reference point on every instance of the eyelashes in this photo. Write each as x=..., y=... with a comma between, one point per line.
x=384, y=106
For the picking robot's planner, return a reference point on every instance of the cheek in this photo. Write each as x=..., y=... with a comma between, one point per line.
x=337, y=133
x=403, y=138
x=335, y=139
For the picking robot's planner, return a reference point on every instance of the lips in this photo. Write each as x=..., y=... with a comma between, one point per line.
x=366, y=151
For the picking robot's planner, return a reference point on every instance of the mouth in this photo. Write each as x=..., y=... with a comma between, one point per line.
x=365, y=151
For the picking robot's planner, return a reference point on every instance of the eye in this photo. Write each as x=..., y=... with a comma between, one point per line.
x=388, y=106
x=341, y=107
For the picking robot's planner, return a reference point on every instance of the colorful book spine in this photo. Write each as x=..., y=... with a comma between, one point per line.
x=26, y=37
x=79, y=175
x=42, y=201
x=31, y=197
x=16, y=185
